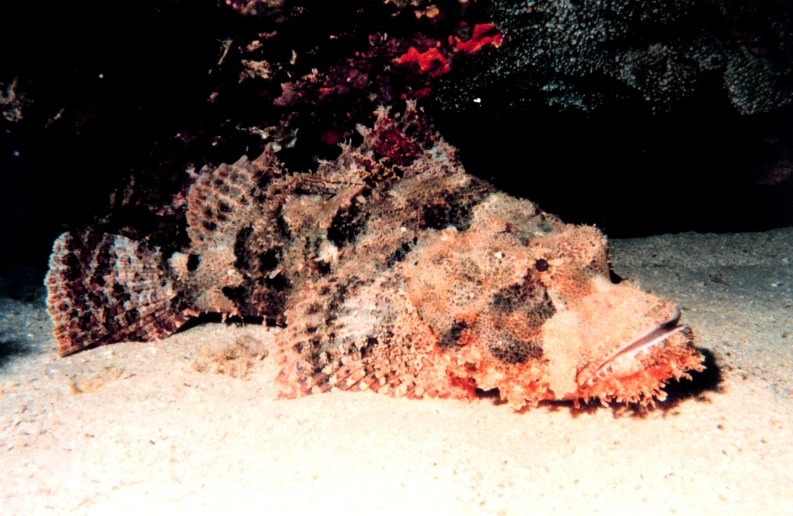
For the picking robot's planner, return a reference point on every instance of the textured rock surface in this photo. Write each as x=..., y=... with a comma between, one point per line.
x=580, y=55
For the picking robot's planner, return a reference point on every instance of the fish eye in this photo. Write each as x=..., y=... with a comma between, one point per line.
x=541, y=265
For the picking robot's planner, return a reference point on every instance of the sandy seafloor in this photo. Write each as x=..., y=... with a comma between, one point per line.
x=135, y=427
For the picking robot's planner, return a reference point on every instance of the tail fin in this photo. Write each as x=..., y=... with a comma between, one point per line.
x=107, y=288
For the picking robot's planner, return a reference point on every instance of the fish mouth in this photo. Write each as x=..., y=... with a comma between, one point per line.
x=655, y=336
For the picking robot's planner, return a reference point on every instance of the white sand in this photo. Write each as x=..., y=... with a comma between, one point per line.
x=150, y=432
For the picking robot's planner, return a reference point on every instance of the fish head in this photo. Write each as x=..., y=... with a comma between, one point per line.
x=539, y=318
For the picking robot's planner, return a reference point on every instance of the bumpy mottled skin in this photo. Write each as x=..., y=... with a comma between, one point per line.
x=391, y=270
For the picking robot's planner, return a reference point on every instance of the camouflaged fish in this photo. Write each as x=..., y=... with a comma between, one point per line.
x=391, y=270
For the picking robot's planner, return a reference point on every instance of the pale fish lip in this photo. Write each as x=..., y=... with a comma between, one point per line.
x=655, y=336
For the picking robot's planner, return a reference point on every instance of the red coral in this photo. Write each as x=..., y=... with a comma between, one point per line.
x=484, y=34
x=435, y=61
x=431, y=61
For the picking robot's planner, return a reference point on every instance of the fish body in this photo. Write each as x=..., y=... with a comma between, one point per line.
x=391, y=270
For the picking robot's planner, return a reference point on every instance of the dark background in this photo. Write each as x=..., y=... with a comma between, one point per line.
x=630, y=171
